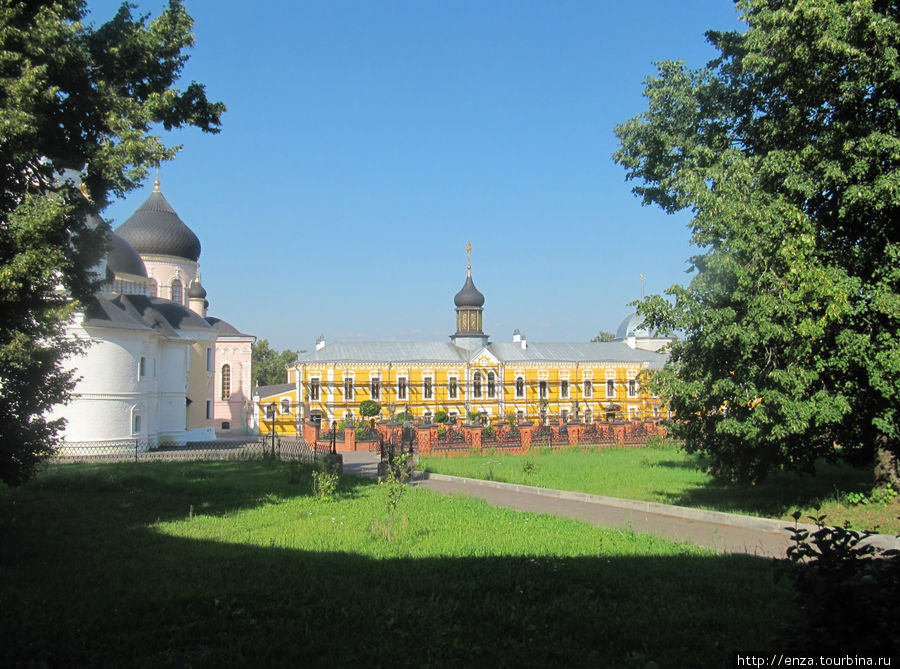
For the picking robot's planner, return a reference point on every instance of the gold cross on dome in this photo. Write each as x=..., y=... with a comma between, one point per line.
x=469, y=255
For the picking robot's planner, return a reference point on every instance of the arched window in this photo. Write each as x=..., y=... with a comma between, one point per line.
x=154, y=288
x=476, y=384
x=226, y=382
x=285, y=406
x=176, y=291
x=492, y=385
x=520, y=387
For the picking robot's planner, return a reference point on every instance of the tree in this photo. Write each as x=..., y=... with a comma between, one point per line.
x=369, y=408
x=786, y=150
x=603, y=335
x=270, y=366
x=83, y=98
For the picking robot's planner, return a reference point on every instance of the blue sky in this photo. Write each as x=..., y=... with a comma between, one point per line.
x=366, y=142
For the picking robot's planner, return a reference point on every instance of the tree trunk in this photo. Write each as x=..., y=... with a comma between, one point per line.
x=887, y=463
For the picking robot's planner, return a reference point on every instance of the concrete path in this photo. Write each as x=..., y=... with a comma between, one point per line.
x=722, y=532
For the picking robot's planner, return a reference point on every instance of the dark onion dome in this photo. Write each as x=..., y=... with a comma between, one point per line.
x=122, y=258
x=155, y=229
x=196, y=291
x=469, y=296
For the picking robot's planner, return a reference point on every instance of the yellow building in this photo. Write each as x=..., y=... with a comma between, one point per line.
x=466, y=377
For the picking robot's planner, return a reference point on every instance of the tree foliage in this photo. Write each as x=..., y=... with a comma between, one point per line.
x=71, y=97
x=786, y=150
x=603, y=335
x=269, y=365
x=369, y=408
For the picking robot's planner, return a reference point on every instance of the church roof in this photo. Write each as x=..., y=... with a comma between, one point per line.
x=163, y=315
x=633, y=325
x=224, y=328
x=469, y=296
x=155, y=229
x=506, y=352
x=104, y=313
x=270, y=391
x=387, y=351
x=122, y=258
x=613, y=351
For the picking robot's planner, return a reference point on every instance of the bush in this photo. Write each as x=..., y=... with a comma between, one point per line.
x=325, y=481
x=441, y=417
x=369, y=408
x=847, y=592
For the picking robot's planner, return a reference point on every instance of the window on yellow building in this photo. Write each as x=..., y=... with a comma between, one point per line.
x=285, y=406
x=401, y=388
x=427, y=389
x=452, y=388
x=588, y=388
x=348, y=389
x=610, y=388
x=375, y=388
x=314, y=386
x=492, y=385
x=542, y=389
x=564, y=389
x=588, y=416
x=476, y=384
x=632, y=388
x=270, y=411
x=520, y=387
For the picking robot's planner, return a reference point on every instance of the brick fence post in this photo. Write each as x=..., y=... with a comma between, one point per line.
x=619, y=433
x=349, y=439
x=525, y=432
x=574, y=430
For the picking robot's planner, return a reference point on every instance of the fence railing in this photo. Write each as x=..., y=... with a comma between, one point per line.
x=137, y=450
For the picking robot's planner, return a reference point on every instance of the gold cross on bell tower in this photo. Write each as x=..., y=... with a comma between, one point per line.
x=469, y=257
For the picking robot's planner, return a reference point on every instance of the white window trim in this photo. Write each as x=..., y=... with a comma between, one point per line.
x=524, y=389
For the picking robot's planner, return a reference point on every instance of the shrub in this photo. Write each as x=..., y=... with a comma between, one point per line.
x=847, y=591
x=488, y=431
x=441, y=431
x=369, y=408
x=441, y=417
x=325, y=481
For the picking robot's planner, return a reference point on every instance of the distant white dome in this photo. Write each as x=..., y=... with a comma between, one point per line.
x=632, y=326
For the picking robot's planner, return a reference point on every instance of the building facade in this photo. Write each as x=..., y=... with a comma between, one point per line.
x=154, y=362
x=469, y=378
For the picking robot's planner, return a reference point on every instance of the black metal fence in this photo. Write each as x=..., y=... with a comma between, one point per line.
x=138, y=450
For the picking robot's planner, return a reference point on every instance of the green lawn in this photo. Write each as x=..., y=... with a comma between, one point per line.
x=233, y=564
x=666, y=474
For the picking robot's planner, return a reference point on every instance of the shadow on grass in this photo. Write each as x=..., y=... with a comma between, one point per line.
x=95, y=586
x=777, y=495
x=160, y=491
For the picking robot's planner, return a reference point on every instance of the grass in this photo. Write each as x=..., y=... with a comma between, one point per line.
x=666, y=474
x=235, y=564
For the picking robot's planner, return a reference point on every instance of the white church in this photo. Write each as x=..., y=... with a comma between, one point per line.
x=157, y=370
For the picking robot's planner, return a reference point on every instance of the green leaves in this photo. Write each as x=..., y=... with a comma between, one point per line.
x=71, y=97
x=786, y=150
